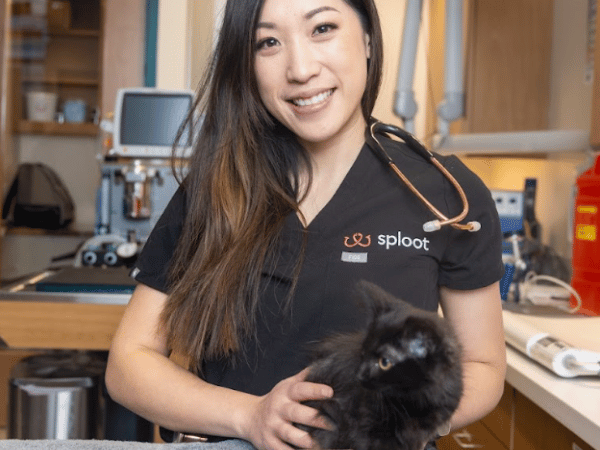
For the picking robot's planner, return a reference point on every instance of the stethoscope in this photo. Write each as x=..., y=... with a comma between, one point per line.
x=376, y=127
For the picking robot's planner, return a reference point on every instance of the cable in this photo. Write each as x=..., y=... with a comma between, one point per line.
x=532, y=278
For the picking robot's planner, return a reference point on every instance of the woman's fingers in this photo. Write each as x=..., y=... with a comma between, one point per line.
x=291, y=434
x=282, y=409
x=306, y=415
x=305, y=390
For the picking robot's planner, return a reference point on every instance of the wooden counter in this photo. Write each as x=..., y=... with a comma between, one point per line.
x=41, y=325
x=27, y=326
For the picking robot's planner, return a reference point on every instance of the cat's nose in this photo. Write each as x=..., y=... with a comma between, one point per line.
x=365, y=374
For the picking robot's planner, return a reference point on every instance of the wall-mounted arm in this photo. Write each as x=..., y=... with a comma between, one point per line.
x=405, y=106
x=452, y=107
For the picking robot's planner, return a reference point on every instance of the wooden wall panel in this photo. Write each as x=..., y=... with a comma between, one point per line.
x=124, y=48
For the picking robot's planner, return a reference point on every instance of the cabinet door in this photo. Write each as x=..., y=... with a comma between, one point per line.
x=537, y=430
x=509, y=66
x=474, y=436
x=508, y=47
x=499, y=421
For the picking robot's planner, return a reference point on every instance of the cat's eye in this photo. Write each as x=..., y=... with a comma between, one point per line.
x=385, y=363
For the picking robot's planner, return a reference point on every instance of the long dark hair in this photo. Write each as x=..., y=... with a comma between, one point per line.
x=243, y=182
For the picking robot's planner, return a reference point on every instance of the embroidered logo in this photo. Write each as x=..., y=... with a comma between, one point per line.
x=393, y=240
x=358, y=239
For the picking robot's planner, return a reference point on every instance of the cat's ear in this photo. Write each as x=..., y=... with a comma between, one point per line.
x=373, y=299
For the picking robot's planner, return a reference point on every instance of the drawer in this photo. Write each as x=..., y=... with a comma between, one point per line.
x=476, y=435
x=499, y=421
x=535, y=429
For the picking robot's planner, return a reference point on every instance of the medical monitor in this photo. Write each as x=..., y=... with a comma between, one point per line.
x=147, y=120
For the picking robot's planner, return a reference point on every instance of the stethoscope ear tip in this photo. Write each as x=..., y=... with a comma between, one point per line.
x=432, y=225
x=474, y=226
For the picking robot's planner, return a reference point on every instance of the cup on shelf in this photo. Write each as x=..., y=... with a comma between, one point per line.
x=39, y=7
x=74, y=111
x=41, y=106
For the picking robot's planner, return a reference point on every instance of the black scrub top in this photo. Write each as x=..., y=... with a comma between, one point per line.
x=371, y=229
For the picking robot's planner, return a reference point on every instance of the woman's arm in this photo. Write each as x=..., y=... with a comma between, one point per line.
x=476, y=317
x=141, y=377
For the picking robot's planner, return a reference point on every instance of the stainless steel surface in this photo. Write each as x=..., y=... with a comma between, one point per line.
x=52, y=409
x=25, y=292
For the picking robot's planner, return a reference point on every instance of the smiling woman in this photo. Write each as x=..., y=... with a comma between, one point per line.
x=311, y=70
x=279, y=215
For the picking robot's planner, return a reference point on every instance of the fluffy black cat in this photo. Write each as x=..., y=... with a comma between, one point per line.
x=396, y=383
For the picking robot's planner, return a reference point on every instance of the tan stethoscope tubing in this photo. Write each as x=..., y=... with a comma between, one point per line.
x=378, y=127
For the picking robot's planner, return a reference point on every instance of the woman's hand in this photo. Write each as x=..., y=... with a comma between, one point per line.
x=271, y=425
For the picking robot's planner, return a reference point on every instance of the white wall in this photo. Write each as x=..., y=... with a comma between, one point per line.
x=571, y=89
x=173, y=47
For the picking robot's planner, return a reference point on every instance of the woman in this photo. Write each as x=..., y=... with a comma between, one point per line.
x=255, y=255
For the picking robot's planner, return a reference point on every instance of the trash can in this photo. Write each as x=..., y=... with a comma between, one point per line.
x=55, y=396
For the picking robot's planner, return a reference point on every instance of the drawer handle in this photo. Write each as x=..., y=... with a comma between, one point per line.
x=458, y=437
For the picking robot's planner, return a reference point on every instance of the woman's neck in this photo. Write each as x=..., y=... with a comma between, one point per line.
x=330, y=164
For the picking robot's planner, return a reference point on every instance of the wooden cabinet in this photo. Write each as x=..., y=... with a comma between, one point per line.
x=51, y=325
x=474, y=436
x=493, y=432
x=507, y=65
x=515, y=424
x=534, y=429
x=8, y=359
x=56, y=48
x=86, y=55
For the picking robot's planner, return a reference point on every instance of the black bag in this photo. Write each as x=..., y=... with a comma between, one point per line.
x=37, y=198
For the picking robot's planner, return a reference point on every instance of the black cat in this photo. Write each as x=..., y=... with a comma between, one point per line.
x=396, y=383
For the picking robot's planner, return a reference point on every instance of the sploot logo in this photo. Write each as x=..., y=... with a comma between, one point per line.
x=397, y=240
x=357, y=239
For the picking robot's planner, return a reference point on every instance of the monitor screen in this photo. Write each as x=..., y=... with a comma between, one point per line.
x=147, y=122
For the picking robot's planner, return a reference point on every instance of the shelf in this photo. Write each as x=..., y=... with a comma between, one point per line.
x=90, y=82
x=69, y=232
x=74, y=33
x=60, y=33
x=58, y=129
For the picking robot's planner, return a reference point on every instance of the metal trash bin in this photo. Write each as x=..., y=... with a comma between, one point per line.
x=55, y=396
